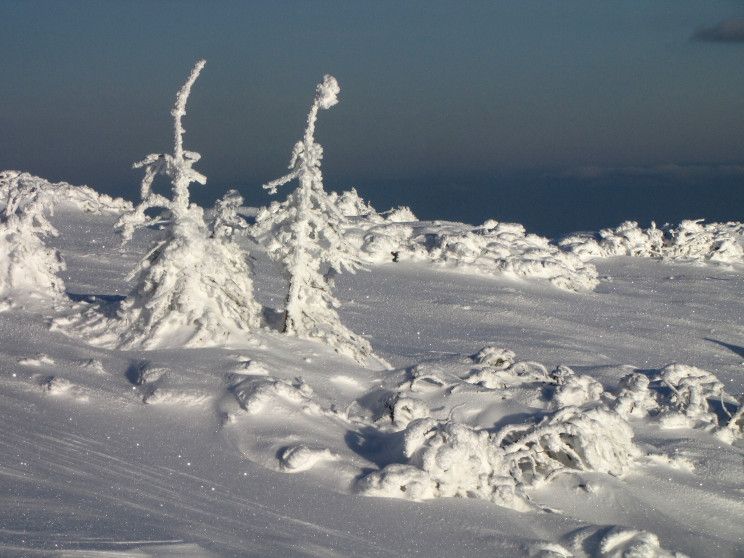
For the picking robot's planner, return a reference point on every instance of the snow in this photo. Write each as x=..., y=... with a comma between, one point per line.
x=690, y=241
x=522, y=419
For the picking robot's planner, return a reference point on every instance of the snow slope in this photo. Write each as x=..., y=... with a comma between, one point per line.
x=279, y=446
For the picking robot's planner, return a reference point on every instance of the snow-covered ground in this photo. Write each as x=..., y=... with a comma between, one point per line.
x=568, y=436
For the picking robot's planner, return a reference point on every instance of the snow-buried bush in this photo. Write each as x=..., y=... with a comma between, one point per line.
x=682, y=396
x=690, y=241
x=489, y=249
x=63, y=194
x=446, y=458
x=27, y=265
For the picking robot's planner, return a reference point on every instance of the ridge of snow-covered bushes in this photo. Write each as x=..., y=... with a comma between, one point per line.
x=690, y=241
x=489, y=249
x=61, y=194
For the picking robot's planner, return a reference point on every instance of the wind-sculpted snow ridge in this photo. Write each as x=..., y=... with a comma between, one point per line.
x=27, y=266
x=492, y=248
x=682, y=396
x=62, y=194
x=691, y=241
x=446, y=458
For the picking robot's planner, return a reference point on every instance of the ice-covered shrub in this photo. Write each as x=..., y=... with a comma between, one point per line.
x=691, y=388
x=635, y=399
x=681, y=396
x=194, y=286
x=493, y=248
x=350, y=204
x=573, y=389
x=446, y=458
x=64, y=195
x=690, y=241
x=497, y=368
x=27, y=265
x=307, y=234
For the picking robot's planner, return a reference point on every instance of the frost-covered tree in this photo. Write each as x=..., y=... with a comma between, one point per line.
x=27, y=265
x=194, y=286
x=305, y=233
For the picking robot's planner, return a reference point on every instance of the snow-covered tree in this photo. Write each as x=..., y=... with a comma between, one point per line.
x=194, y=286
x=27, y=265
x=306, y=234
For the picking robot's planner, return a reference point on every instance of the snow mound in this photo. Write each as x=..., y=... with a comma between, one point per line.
x=58, y=386
x=622, y=542
x=295, y=459
x=489, y=249
x=690, y=241
x=446, y=458
x=255, y=393
x=63, y=194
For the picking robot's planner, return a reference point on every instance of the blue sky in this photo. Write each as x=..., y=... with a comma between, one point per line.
x=431, y=91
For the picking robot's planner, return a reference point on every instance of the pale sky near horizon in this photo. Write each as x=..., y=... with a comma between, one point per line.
x=429, y=88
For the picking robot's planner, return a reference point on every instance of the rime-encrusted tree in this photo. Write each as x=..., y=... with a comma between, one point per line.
x=194, y=287
x=305, y=233
x=27, y=265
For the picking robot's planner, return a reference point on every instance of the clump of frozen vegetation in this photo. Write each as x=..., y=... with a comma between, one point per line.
x=690, y=241
x=489, y=249
x=307, y=234
x=447, y=458
x=27, y=265
x=194, y=287
x=63, y=194
x=681, y=396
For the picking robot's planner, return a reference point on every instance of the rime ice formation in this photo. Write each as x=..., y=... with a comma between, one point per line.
x=690, y=241
x=307, y=234
x=27, y=266
x=194, y=287
x=682, y=396
x=445, y=458
x=493, y=248
x=63, y=194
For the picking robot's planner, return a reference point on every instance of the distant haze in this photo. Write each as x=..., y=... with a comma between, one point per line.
x=558, y=115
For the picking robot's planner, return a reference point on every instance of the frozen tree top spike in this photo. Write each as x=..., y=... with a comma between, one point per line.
x=326, y=93
x=307, y=152
x=179, y=109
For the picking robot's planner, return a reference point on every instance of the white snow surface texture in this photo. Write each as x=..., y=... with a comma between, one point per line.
x=602, y=418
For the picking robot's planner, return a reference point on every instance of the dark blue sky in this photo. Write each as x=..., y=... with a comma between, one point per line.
x=506, y=104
